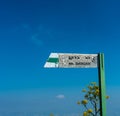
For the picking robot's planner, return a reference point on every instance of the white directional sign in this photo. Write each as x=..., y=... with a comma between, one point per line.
x=77, y=60
x=67, y=60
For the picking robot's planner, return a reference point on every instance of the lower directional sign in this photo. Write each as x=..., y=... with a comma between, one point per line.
x=72, y=60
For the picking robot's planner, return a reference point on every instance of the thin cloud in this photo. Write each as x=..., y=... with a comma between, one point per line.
x=26, y=26
x=44, y=35
x=41, y=35
x=60, y=96
x=36, y=40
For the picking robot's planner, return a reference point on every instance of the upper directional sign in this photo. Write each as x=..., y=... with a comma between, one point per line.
x=67, y=60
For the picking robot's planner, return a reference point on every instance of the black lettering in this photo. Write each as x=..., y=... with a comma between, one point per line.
x=70, y=57
x=71, y=63
x=82, y=63
x=78, y=57
x=87, y=57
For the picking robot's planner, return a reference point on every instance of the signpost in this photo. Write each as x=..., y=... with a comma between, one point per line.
x=101, y=72
x=67, y=60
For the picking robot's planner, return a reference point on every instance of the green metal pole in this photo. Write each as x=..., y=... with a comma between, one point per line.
x=101, y=71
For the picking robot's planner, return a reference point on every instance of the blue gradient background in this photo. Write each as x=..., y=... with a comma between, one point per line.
x=31, y=30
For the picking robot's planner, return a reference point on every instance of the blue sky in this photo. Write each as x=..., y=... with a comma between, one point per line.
x=30, y=31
